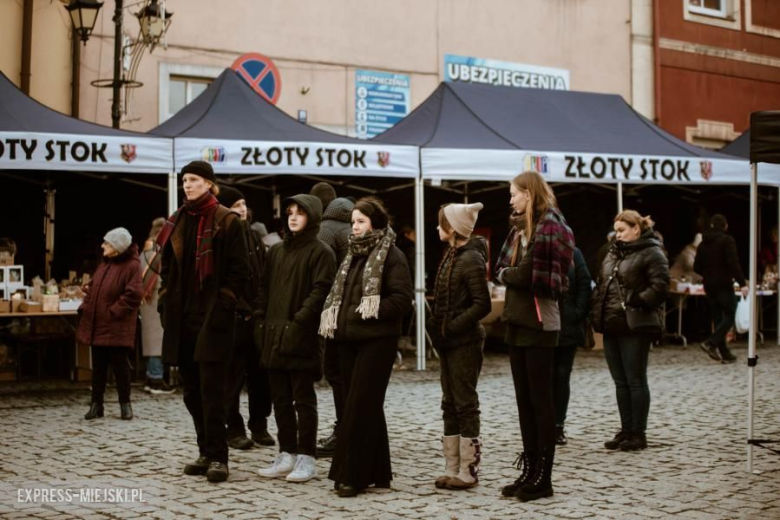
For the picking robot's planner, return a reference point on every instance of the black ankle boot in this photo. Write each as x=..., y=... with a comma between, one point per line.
x=525, y=463
x=616, y=440
x=540, y=484
x=95, y=411
x=635, y=441
x=127, y=411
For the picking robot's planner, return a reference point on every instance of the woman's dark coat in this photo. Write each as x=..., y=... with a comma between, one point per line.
x=395, y=300
x=575, y=305
x=298, y=275
x=109, y=314
x=643, y=274
x=466, y=291
x=218, y=296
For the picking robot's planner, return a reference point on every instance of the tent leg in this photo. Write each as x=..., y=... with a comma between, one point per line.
x=48, y=230
x=620, y=197
x=752, y=359
x=777, y=266
x=419, y=271
x=173, y=193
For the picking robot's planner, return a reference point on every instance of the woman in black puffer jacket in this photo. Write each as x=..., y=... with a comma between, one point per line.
x=461, y=300
x=636, y=261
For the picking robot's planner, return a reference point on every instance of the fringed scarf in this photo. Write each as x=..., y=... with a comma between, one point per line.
x=375, y=245
x=553, y=251
x=204, y=207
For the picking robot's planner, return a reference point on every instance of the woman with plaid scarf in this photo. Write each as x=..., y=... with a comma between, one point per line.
x=535, y=279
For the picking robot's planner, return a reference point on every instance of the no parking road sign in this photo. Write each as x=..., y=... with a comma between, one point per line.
x=261, y=74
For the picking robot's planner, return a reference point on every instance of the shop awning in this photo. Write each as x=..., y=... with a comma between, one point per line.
x=35, y=137
x=478, y=132
x=239, y=132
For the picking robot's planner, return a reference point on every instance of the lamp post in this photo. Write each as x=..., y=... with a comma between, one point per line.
x=83, y=14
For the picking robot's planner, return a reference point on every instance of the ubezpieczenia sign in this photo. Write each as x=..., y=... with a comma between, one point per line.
x=465, y=69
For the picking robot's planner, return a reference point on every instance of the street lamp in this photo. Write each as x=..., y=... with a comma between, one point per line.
x=84, y=13
x=154, y=20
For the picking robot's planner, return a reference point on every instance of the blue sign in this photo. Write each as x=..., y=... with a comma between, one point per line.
x=381, y=100
x=466, y=69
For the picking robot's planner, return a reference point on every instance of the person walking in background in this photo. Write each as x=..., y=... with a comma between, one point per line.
x=362, y=315
x=245, y=365
x=575, y=308
x=634, y=278
x=151, y=328
x=108, y=319
x=461, y=299
x=204, y=275
x=335, y=230
x=293, y=287
x=718, y=264
x=535, y=281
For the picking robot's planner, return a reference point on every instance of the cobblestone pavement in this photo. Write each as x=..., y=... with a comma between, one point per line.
x=694, y=467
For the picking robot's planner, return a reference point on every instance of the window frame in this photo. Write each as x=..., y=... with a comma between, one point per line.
x=190, y=73
x=708, y=11
x=729, y=17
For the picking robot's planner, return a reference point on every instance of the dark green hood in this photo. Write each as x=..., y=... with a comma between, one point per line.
x=340, y=210
x=313, y=208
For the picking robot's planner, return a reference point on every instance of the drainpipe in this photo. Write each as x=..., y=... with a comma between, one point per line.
x=27, y=19
x=75, y=74
x=657, y=59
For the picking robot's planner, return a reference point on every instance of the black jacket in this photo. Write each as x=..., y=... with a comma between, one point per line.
x=643, y=275
x=337, y=226
x=214, y=305
x=297, y=278
x=717, y=262
x=575, y=306
x=462, y=297
x=395, y=300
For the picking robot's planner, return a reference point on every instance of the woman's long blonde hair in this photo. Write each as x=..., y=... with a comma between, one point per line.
x=541, y=198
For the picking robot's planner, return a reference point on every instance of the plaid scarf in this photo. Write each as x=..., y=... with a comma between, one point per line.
x=205, y=207
x=553, y=251
x=375, y=245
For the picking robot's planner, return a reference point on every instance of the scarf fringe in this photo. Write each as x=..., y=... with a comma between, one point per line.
x=369, y=306
x=329, y=321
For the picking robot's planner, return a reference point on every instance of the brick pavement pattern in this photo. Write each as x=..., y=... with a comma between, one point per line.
x=693, y=468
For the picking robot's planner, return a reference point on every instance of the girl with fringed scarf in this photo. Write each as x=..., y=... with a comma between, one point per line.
x=362, y=315
x=535, y=280
x=461, y=300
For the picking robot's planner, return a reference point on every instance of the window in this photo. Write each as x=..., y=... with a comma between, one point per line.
x=182, y=90
x=708, y=7
x=180, y=84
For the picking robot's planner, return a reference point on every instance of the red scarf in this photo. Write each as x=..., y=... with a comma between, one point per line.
x=205, y=207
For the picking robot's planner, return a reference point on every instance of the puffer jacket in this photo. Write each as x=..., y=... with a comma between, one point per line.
x=575, y=305
x=337, y=226
x=462, y=297
x=295, y=282
x=643, y=275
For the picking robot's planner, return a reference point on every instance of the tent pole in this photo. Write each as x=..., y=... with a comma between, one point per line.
x=48, y=230
x=173, y=193
x=419, y=270
x=466, y=193
x=752, y=297
x=777, y=267
x=620, y=197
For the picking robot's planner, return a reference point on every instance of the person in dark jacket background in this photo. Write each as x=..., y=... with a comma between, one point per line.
x=536, y=279
x=362, y=315
x=717, y=262
x=204, y=274
x=575, y=307
x=635, y=274
x=108, y=319
x=245, y=367
x=335, y=230
x=461, y=299
x=298, y=274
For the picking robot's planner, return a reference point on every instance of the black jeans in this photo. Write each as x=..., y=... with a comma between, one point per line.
x=460, y=368
x=332, y=372
x=245, y=368
x=295, y=409
x=117, y=358
x=627, y=358
x=564, y=361
x=723, y=308
x=532, y=374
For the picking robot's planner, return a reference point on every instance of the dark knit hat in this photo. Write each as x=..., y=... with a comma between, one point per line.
x=201, y=169
x=324, y=192
x=229, y=195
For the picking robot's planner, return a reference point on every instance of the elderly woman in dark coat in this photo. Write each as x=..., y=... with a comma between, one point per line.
x=108, y=318
x=363, y=314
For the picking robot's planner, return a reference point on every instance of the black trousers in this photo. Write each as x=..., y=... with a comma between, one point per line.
x=564, y=362
x=118, y=359
x=204, y=387
x=460, y=368
x=295, y=409
x=362, y=455
x=245, y=368
x=332, y=371
x=532, y=374
x=723, y=309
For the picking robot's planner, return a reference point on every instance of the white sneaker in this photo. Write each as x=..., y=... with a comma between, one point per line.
x=305, y=469
x=283, y=464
